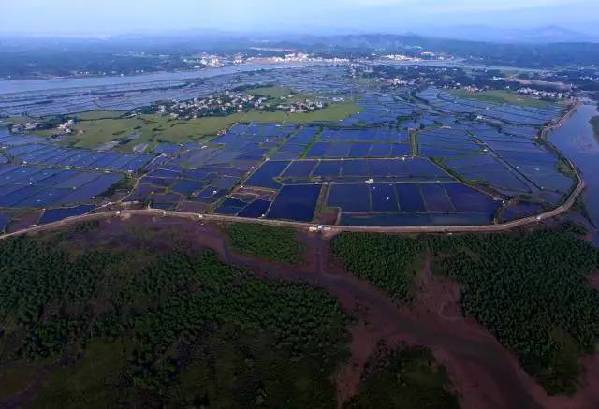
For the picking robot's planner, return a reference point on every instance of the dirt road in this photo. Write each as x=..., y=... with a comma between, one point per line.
x=195, y=217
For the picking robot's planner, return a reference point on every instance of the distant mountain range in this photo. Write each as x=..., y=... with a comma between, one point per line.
x=546, y=34
x=548, y=46
x=472, y=32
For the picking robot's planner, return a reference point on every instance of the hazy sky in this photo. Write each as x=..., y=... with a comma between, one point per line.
x=102, y=17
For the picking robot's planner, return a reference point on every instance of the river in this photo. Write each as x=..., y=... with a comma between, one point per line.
x=21, y=86
x=576, y=141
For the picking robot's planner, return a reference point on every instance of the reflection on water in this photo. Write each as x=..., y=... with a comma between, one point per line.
x=576, y=140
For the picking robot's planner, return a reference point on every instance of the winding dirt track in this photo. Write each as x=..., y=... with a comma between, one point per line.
x=484, y=373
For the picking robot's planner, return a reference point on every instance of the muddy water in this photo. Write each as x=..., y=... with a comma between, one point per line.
x=576, y=141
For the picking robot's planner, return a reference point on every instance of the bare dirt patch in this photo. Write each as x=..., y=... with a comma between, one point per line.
x=437, y=295
x=23, y=221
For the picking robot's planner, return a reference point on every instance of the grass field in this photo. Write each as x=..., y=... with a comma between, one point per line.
x=153, y=129
x=150, y=129
x=503, y=97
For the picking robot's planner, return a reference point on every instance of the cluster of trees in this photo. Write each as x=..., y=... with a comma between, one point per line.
x=191, y=330
x=270, y=243
x=530, y=289
x=404, y=378
x=389, y=262
x=60, y=63
x=583, y=78
x=443, y=76
x=533, y=293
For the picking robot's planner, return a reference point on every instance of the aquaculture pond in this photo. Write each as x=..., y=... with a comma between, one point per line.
x=295, y=202
x=408, y=157
x=56, y=215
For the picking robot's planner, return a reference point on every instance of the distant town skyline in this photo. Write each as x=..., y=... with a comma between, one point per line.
x=116, y=17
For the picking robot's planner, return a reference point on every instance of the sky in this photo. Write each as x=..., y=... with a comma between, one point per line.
x=115, y=17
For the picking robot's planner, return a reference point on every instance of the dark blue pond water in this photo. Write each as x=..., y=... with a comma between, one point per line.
x=295, y=202
x=264, y=176
x=300, y=169
x=350, y=197
x=328, y=169
x=55, y=215
x=410, y=199
x=381, y=150
x=384, y=198
x=231, y=206
x=359, y=150
x=436, y=198
x=467, y=199
x=257, y=209
x=358, y=167
x=318, y=149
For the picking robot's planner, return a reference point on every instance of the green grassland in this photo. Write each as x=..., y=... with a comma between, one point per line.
x=503, y=97
x=153, y=129
x=529, y=289
x=150, y=129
